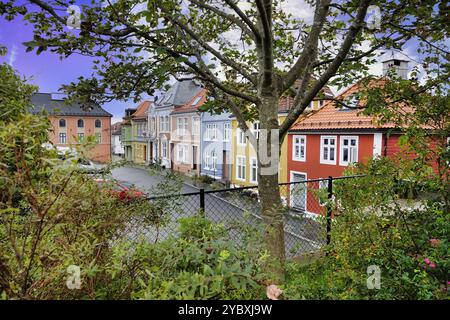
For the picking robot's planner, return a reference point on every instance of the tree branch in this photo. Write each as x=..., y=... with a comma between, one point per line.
x=308, y=54
x=239, y=68
x=356, y=26
x=245, y=19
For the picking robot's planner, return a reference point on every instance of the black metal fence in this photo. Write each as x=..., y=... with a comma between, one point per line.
x=307, y=212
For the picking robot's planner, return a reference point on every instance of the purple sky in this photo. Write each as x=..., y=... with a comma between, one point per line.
x=46, y=70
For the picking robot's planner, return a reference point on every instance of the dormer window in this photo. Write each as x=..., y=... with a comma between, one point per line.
x=196, y=100
x=352, y=102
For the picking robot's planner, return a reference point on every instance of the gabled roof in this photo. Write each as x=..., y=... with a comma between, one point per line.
x=193, y=104
x=332, y=116
x=179, y=94
x=141, y=110
x=44, y=101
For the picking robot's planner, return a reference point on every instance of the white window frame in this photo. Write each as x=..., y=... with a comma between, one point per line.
x=322, y=141
x=241, y=134
x=256, y=129
x=226, y=131
x=196, y=126
x=253, y=165
x=164, y=149
x=207, y=160
x=239, y=165
x=341, y=150
x=212, y=132
x=180, y=126
x=213, y=160
x=197, y=99
x=299, y=145
x=182, y=150
x=207, y=136
x=62, y=134
x=98, y=137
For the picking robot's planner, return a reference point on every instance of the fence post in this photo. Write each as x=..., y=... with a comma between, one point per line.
x=329, y=208
x=202, y=199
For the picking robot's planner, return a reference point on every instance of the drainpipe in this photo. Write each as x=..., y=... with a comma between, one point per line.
x=385, y=145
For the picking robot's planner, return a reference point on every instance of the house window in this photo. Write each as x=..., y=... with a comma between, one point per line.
x=161, y=124
x=226, y=131
x=241, y=137
x=348, y=150
x=98, y=123
x=255, y=129
x=62, y=123
x=240, y=174
x=182, y=126
x=62, y=138
x=214, y=160
x=196, y=126
x=328, y=149
x=207, y=132
x=182, y=153
x=98, y=137
x=213, y=132
x=299, y=148
x=80, y=123
x=167, y=123
x=253, y=170
x=207, y=160
x=80, y=137
x=164, y=124
x=140, y=129
x=196, y=100
x=164, y=149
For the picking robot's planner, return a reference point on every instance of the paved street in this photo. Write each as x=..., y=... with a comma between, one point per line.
x=302, y=234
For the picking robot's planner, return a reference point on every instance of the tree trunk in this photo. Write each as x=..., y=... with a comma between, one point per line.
x=269, y=191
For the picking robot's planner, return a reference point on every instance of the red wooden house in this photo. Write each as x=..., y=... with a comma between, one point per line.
x=324, y=143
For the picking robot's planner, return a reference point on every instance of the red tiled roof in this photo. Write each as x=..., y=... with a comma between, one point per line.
x=141, y=110
x=193, y=104
x=332, y=116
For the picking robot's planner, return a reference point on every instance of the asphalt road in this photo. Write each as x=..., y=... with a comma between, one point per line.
x=302, y=234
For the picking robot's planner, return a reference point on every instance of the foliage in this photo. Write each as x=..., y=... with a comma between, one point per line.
x=52, y=217
x=202, y=263
x=407, y=239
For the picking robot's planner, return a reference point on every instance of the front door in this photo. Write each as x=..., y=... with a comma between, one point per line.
x=298, y=191
x=172, y=156
x=151, y=151
x=194, y=158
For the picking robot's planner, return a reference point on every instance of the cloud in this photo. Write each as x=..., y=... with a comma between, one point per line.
x=12, y=56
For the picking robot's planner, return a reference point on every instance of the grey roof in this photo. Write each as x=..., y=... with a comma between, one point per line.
x=44, y=101
x=180, y=93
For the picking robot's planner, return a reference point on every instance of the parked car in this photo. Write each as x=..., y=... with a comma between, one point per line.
x=122, y=190
x=87, y=166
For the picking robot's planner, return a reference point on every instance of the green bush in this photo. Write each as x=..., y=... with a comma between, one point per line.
x=201, y=263
x=406, y=239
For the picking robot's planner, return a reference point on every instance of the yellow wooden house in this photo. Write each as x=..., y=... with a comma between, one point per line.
x=244, y=156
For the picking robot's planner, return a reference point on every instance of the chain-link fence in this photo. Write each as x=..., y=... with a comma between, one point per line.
x=307, y=212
